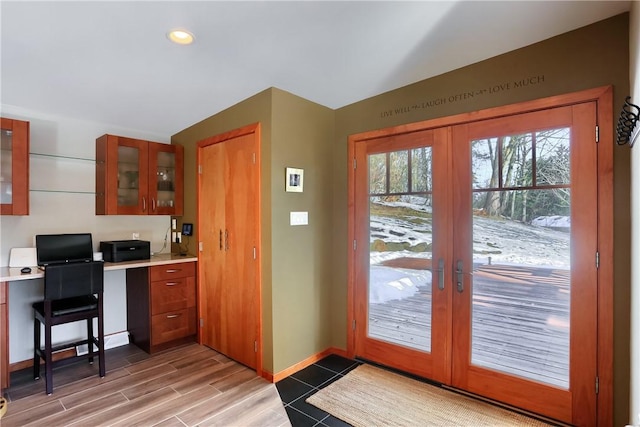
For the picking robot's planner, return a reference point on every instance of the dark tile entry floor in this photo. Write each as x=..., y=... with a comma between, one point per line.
x=295, y=389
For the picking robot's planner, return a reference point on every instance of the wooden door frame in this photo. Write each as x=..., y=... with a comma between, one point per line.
x=245, y=130
x=604, y=98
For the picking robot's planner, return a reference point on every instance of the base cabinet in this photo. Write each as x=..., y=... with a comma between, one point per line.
x=161, y=305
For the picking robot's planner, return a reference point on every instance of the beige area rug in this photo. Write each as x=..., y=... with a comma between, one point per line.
x=370, y=396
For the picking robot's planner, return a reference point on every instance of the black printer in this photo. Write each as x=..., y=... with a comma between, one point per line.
x=125, y=250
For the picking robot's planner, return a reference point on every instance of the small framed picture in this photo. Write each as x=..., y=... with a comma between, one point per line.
x=293, y=180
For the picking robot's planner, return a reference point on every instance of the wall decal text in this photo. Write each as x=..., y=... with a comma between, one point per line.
x=462, y=96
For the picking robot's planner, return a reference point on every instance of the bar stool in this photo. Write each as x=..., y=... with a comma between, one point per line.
x=72, y=292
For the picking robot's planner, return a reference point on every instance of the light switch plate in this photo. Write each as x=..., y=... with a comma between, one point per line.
x=298, y=218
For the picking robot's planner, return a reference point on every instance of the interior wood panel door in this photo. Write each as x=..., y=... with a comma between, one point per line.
x=485, y=277
x=229, y=223
x=211, y=262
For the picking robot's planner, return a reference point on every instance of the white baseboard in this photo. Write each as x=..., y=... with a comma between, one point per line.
x=110, y=341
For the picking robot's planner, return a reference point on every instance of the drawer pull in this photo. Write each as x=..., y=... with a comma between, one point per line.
x=172, y=271
x=172, y=283
x=172, y=316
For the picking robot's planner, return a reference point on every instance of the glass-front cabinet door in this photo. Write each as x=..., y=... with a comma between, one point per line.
x=131, y=178
x=136, y=177
x=14, y=167
x=165, y=178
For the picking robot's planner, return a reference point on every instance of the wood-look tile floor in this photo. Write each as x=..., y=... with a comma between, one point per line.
x=186, y=386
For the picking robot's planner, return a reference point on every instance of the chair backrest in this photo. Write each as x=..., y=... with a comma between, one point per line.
x=73, y=279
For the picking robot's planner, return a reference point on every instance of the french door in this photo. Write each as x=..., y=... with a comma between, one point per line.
x=475, y=257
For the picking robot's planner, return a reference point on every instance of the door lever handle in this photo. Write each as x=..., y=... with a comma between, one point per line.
x=440, y=271
x=460, y=276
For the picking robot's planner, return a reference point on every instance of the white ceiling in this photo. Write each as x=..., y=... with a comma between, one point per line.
x=111, y=62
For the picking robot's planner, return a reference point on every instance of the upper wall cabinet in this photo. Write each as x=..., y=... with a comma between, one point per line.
x=135, y=177
x=14, y=167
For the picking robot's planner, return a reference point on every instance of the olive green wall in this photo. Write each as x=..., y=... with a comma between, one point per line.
x=296, y=279
x=302, y=136
x=256, y=109
x=589, y=57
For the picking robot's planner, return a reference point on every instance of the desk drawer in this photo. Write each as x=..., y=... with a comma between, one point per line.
x=173, y=325
x=172, y=271
x=172, y=295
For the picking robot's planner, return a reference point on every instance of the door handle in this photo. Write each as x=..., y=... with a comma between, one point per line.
x=440, y=271
x=144, y=204
x=460, y=276
x=220, y=239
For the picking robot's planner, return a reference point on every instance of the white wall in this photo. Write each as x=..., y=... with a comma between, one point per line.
x=634, y=73
x=62, y=200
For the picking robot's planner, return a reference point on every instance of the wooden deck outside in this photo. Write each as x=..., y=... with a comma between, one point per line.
x=520, y=321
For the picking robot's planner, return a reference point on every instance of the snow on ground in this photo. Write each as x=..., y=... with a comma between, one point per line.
x=495, y=241
x=387, y=283
x=554, y=221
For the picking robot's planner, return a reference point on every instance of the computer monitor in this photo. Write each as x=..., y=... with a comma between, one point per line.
x=63, y=248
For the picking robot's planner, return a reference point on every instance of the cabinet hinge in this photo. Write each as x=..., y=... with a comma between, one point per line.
x=355, y=163
x=354, y=244
x=353, y=324
x=254, y=252
x=255, y=346
x=597, y=259
x=597, y=385
x=597, y=133
x=200, y=246
x=201, y=322
x=200, y=169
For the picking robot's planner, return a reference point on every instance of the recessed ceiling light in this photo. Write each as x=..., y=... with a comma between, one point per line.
x=180, y=36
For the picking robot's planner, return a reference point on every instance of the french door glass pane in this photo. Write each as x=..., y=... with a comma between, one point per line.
x=517, y=160
x=400, y=228
x=421, y=170
x=552, y=152
x=398, y=170
x=521, y=257
x=378, y=173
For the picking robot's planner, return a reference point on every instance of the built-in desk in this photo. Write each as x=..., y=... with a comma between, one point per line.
x=8, y=275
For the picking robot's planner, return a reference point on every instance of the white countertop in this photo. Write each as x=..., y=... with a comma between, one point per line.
x=8, y=274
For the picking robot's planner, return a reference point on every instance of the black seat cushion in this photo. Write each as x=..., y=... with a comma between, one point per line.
x=68, y=305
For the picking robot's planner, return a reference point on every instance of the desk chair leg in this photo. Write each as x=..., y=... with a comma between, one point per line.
x=101, y=337
x=36, y=347
x=90, y=340
x=48, y=359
